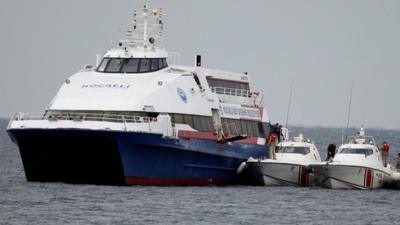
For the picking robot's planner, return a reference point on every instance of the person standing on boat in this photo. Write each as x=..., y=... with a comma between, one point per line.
x=274, y=128
x=271, y=145
x=398, y=162
x=385, y=153
x=279, y=133
x=331, y=152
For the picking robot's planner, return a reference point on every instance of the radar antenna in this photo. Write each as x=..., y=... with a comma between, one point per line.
x=143, y=33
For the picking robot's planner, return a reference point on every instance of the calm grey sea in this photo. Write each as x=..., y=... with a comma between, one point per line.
x=23, y=202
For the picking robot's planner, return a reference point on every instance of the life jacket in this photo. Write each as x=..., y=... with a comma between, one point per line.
x=272, y=137
x=385, y=148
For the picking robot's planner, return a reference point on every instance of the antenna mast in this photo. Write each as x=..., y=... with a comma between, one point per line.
x=144, y=31
x=289, y=103
x=145, y=24
x=349, y=109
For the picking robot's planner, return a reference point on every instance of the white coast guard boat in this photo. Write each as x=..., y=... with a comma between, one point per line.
x=135, y=119
x=291, y=166
x=358, y=164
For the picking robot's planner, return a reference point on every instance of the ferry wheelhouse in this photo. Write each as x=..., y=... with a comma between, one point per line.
x=134, y=119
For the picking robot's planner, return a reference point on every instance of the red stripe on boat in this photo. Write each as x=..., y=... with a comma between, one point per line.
x=303, y=176
x=369, y=178
x=302, y=180
x=175, y=181
x=197, y=134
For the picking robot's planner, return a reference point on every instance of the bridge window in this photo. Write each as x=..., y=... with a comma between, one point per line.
x=144, y=65
x=362, y=151
x=291, y=149
x=154, y=64
x=103, y=65
x=131, y=65
x=114, y=66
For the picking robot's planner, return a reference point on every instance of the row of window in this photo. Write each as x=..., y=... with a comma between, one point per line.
x=227, y=84
x=230, y=126
x=131, y=65
x=200, y=123
x=237, y=127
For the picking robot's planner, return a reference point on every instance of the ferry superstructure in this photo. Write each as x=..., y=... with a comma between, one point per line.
x=136, y=120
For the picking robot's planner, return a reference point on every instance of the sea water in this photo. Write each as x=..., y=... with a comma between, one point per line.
x=23, y=202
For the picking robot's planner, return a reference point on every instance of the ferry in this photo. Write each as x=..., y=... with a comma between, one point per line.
x=136, y=118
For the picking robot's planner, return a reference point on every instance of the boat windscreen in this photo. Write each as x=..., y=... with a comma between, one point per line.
x=292, y=149
x=131, y=65
x=362, y=151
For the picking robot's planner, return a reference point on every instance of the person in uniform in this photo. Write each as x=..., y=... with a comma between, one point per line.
x=271, y=145
x=331, y=152
x=279, y=133
x=385, y=153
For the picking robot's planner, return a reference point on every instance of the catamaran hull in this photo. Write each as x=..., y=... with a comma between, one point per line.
x=348, y=177
x=278, y=174
x=128, y=158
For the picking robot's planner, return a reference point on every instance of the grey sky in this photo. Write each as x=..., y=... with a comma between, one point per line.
x=321, y=45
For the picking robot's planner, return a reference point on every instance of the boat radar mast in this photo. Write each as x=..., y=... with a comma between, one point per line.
x=143, y=34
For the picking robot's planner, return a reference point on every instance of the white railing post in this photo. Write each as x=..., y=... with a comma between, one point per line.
x=123, y=119
x=149, y=122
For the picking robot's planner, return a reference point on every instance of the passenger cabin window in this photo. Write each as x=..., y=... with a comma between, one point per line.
x=291, y=149
x=230, y=126
x=361, y=151
x=228, y=84
x=131, y=65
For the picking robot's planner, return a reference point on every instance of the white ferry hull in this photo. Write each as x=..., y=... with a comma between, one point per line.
x=348, y=177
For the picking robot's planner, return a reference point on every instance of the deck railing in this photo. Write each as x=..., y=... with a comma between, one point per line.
x=84, y=116
x=232, y=91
